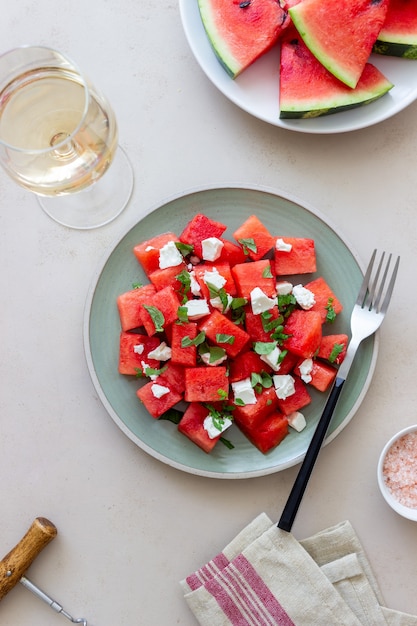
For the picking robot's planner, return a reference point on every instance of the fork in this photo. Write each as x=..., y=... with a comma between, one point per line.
x=367, y=316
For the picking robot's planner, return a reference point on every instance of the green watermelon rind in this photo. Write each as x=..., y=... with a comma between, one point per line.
x=395, y=48
x=220, y=48
x=311, y=109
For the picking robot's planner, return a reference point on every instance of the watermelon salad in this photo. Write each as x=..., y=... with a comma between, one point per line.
x=325, y=46
x=229, y=331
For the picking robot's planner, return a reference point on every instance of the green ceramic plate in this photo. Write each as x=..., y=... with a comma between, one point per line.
x=231, y=205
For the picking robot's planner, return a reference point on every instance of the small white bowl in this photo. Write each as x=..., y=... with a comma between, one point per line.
x=405, y=511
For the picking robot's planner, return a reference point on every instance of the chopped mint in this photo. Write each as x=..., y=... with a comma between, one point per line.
x=336, y=350
x=185, y=248
x=248, y=245
x=267, y=272
x=222, y=338
x=186, y=342
x=157, y=317
x=265, y=347
x=331, y=313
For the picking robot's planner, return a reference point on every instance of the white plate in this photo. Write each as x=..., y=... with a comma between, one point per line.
x=256, y=90
x=161, y=439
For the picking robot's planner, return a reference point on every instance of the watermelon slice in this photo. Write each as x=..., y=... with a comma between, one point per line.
x=307, y=89
x=340, y=34
x=240, y=31
x=398, y=35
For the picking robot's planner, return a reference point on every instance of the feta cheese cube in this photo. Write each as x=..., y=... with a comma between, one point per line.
x=213, y=277
x=284, y=287
x=159, y=390
x=161, y=352
x=212, y=248
x=305, y=297
x=282, y=246
x=196, y=308
x=284, y=385
x=260, y=302
x=169, y=256
x=271, y=359
x=212, y=430
x=139, y=348
x=243, y=391
x=194, y=286
x=297, y=421
x=305, y=370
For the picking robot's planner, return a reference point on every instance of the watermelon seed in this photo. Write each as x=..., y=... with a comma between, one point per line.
x=245, y=4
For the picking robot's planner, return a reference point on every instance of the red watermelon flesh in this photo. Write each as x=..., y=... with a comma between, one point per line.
x=240, y=31
x=307, y=89
x=340, y=34
x=398, y=35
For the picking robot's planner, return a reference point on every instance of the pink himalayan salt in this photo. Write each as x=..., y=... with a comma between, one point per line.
x=400, y=470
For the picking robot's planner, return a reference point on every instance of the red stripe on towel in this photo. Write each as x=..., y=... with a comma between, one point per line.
x=207, y=572
x=244, y=597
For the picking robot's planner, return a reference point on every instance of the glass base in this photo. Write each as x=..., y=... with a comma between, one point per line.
x=97, y=205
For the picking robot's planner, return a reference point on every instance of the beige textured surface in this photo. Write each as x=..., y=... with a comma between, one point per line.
x=130, y=527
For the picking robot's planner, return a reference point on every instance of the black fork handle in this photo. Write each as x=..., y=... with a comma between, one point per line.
x=294, y=499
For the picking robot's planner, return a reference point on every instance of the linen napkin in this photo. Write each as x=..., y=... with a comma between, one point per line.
x=265, y=577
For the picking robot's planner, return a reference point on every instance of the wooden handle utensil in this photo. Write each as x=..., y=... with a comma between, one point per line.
x=14, y=565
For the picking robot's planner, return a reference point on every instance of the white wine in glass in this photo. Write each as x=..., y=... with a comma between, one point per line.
x=59, y=139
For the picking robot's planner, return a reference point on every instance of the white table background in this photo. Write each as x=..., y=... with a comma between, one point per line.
x=129, y=526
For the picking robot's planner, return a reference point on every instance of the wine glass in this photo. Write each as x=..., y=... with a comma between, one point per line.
x=58, y=138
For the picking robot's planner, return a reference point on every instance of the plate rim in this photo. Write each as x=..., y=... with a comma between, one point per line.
x=89, y=357
x=291, y=125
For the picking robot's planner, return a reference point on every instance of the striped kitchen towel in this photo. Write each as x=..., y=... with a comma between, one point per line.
x=265, y=577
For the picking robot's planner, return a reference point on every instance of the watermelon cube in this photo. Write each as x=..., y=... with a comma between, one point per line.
x=207, y=272
x=269, y=433
x=147, y=252
x=231, y=253
x=251, y=415
x=187, y=355
x=164, y=302
x=199, y=228
x=133, y=353
x=256, y=324
x=206, y=384
x=300, y=259
x=324, y=297
x=321, y=374
x=247, y=276
x=224, y=333
x=254, y=237
x=128, y=304
x=288, y=363
x=245, y=364
x=156, y=406
x=333, y=348
x=192, y=426
x=167, y=277
x=297, y=400
x=305, y=332
x=173, y=376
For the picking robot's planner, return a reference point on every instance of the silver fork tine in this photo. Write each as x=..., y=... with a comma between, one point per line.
x=374, y=286
x=365, y=283
x=390, y=287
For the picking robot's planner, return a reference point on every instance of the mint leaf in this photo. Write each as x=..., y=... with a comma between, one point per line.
x=186, y=342
x=184, y=248
x=222, y=338
x=336, y=350
x=157, y=317
x=267, y=272
x=248, y=245
x=265, y=347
